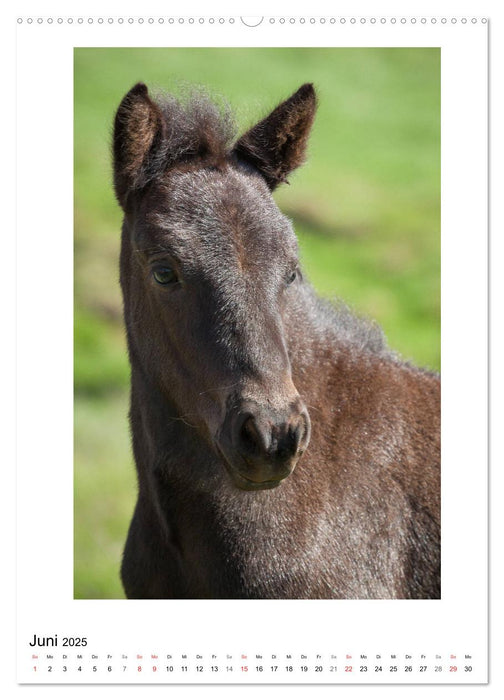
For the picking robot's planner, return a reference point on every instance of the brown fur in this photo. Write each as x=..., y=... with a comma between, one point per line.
x=283, y=451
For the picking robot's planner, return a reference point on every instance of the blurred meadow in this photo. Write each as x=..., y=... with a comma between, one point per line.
x=366, y=208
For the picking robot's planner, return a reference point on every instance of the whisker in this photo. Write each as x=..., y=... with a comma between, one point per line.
x=183, y=420
x=218, y=388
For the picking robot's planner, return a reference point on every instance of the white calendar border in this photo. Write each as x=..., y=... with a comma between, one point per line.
x=51, y=526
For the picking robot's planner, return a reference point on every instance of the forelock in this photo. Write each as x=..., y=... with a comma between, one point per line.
x=197, y=126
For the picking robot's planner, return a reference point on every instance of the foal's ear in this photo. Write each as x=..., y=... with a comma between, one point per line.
x=138, y=137
x=277, y=144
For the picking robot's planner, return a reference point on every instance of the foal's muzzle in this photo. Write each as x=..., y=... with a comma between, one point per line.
x=261, y=446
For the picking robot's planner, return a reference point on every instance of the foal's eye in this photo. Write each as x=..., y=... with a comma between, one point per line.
x=292, y=276
x=164, y=275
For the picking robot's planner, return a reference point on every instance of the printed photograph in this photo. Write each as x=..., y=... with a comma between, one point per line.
x=257, y=336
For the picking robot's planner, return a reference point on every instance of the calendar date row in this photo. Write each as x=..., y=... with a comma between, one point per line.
x=275, y=668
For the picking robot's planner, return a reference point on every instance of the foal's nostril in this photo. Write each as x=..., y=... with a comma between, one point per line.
x=287, y=445
x=296, y=437
x=253, y=440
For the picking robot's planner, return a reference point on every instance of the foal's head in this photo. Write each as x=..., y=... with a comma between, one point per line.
x=209, y=268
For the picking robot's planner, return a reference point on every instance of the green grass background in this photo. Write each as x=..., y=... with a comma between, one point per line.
x=366, y=208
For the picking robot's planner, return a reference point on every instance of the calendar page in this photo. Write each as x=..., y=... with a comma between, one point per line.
x=257, y=243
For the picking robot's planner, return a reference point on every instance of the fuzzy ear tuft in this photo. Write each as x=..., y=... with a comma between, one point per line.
x=138, y=137
x=277, y=144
